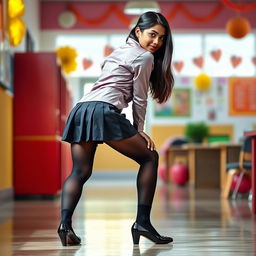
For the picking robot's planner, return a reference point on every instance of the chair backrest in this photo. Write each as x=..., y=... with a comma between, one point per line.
x=246, y=150
x=247, y=145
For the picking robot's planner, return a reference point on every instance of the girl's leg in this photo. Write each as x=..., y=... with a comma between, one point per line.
x=136, y=149
x=82, y=156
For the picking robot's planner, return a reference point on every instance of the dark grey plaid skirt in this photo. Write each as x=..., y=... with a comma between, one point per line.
x=96, y=121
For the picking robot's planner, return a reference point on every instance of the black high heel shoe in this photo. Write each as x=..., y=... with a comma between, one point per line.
x=68, y=236
x=138, y=230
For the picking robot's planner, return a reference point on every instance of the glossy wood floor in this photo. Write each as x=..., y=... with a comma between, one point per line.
x=199, y=222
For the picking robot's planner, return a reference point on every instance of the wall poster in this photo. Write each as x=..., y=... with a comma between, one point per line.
x=177, y=106
x=242, y=96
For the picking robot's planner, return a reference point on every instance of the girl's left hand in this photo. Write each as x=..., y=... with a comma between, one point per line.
x=150, y=143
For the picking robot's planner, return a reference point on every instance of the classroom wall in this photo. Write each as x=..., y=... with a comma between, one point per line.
x=213, y=106
x=31, y=18
x=108, y=159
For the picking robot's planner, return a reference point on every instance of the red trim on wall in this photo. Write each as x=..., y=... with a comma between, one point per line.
x=110, y=16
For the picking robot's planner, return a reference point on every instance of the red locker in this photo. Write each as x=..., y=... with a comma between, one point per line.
x=41, y=104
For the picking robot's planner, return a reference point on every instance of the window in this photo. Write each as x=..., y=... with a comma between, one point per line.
x=187, y=47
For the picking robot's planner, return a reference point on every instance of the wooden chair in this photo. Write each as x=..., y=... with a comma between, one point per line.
x=241, y=167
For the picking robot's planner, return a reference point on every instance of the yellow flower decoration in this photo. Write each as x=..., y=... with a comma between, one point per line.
x=67, y=56
x=203, y=82
x=17, y=29
x=16, y=8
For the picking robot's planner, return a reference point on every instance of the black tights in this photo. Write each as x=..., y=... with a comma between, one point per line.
x=83, y=156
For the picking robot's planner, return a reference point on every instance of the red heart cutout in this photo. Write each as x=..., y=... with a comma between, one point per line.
x=254, y=60
x=199, y=61
x=178, y=65
x=108, y=50
x=216, y=54
x=87, y=63
x=235, y=60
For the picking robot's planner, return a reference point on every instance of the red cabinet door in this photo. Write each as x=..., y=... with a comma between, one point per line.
x=36, y=94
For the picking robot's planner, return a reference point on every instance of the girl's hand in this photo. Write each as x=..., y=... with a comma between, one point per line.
x=150, y=143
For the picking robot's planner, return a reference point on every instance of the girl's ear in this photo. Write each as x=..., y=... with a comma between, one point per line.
x=137, y=32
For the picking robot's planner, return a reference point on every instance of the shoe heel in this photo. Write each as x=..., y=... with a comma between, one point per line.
x=63, y=238
x=135, y=237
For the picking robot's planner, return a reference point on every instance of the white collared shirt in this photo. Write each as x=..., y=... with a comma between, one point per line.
x=125, y=77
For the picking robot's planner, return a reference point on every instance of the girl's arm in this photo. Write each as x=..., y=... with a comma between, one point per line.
x=143, y=66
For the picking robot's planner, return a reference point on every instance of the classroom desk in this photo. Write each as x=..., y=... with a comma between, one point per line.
x=206, y=163
x=252, y=134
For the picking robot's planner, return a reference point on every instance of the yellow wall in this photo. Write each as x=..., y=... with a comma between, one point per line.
x=108, y=159
x=6, y=238
x=160, y=133
x=6, y=165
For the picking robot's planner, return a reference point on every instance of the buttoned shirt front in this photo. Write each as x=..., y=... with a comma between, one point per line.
x=125, y=77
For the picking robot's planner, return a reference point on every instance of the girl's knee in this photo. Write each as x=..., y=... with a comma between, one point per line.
x=82, y=174
x=155, y=157
x=151, y=156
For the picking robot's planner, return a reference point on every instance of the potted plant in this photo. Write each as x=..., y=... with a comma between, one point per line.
x=196, y=132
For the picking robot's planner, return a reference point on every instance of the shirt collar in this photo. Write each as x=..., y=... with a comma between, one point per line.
x=132, y=41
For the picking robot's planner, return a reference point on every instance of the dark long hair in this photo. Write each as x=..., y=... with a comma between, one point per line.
x=161, y=79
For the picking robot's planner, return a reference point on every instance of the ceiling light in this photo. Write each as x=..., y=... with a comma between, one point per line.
x=139, y=7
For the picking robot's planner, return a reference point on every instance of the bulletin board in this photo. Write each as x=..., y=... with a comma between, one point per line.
x=242, y=96
x=177, y=106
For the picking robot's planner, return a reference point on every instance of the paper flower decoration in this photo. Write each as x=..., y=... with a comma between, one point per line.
x=17, y=29
x=16, y=8
x=67, y=56
x=203, y=82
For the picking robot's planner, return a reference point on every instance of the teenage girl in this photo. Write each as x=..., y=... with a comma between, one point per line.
x=142, y=64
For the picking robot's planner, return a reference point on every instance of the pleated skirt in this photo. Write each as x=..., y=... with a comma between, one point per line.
x=96, y=121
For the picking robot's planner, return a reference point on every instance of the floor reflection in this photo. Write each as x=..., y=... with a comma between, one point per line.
x=152, y=251
x=200, y=222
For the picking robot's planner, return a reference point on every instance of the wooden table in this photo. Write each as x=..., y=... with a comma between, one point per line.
x=206, y=163
x=252, y=134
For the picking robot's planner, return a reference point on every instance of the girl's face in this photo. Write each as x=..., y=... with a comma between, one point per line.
x=151, y=39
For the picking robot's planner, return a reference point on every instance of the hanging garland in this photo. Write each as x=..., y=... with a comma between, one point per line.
x=235, y=60
x=95, y=22
x=216, y=54
x=185, y=11
x=113, y=9
x=239, y=7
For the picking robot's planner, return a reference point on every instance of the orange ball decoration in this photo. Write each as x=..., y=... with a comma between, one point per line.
x=238, y=27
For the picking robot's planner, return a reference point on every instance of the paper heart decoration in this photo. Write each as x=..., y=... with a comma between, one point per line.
x=216, y=54
x=87, y=63
x=254, y=60
x=108, y=50
x=199, y=61
x=235, y=61
x=178, y=65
